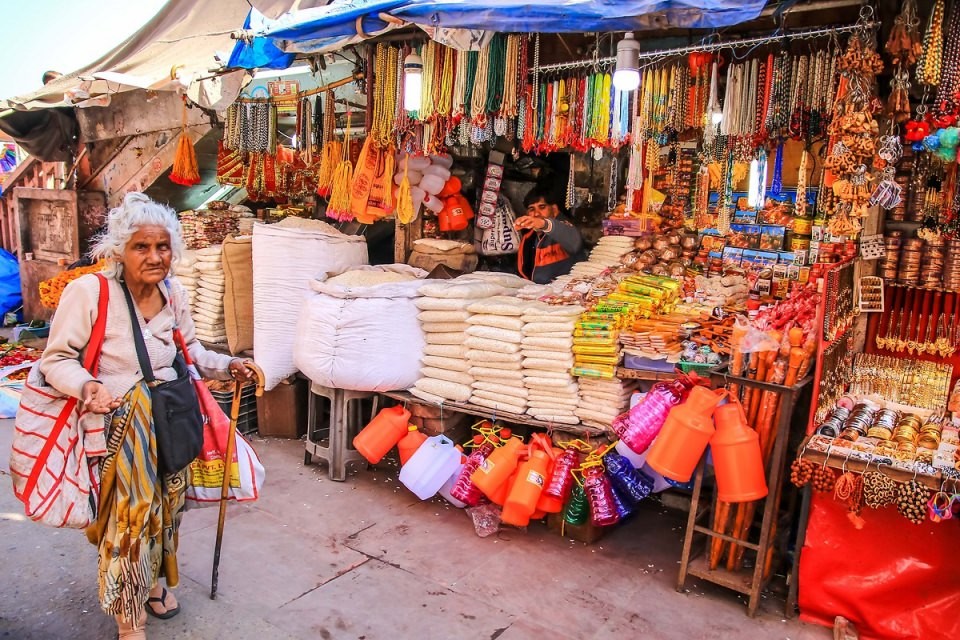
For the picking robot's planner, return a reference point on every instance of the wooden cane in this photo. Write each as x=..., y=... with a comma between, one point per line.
x=227, y=463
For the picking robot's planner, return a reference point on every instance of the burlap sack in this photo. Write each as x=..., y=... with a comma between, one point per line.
x=238, y=293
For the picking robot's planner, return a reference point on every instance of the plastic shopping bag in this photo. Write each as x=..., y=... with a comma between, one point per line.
x=206, y=472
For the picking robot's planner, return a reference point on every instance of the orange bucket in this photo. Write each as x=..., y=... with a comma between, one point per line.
x=684, y=437
x=383, y=433
x=737, y=459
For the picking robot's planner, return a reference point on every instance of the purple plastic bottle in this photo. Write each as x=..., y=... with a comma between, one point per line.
x=463, y=489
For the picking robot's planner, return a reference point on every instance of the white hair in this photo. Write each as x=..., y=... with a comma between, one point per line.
x=136, y=211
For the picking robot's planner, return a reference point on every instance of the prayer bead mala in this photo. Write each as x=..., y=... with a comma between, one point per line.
x=930, y=60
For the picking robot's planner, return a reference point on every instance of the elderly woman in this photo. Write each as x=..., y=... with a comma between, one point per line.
x=140, y=508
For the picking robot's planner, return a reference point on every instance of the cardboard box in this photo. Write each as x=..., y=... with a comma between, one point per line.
x=586, y=533
x=282, y=411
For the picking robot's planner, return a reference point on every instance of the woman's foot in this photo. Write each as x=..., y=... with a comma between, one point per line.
x=161, y=603
x=127, y=632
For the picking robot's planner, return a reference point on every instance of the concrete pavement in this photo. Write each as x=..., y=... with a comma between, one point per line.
x=366, y=560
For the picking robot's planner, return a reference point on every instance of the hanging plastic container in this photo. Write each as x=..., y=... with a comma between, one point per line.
x=638, y=427
x=603, y=509
x=463, y=489
x=500, y=495
x=560, y=481
x=383, y=433
x=629, y=482
x=521, y=502
x=623, y=504
x=639, y=462
x=577, y=511
x=430, y=467
x=737, y=459
x=497, y=468
x=685, y=435
x=445, y=490
x=409, y=443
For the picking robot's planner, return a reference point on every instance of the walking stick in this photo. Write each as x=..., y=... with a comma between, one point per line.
x=228, y=460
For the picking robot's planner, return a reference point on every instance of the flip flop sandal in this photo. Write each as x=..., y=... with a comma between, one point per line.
x=166, y=615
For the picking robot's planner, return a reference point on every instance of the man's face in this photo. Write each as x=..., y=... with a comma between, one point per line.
x=540, y=209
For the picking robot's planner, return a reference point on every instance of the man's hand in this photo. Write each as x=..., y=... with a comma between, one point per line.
x=530, y=222
x=96, y=398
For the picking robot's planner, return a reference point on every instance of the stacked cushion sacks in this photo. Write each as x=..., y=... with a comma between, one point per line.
x=493, y=350
x=208, y=306
x=602, y=400
x=443, y=317
x=607, y=253
x=552, y=392
x=187, y=274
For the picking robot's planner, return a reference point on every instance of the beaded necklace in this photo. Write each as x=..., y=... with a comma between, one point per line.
x=949, y=81
x=443, y=91
x=428, y=54
x=460, y=86
x=496, y=70
x=929, y=61
x=511, y=78
x=478, y=102
x=384, y=95
x=473, y=60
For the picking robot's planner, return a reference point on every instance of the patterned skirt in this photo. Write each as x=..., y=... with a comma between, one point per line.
x=140, y=511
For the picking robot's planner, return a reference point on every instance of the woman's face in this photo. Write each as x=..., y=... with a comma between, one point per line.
x=146, y=258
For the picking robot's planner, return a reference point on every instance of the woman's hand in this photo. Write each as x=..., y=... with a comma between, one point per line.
x=530, y=222
x=239, y=370
x=96, y=398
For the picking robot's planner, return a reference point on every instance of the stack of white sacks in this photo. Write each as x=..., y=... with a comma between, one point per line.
x=493, y=350
x=607, y=253
x=208, y=304
x=443, y=318
x=187, y=275
x=602, y=400
x=552, y=392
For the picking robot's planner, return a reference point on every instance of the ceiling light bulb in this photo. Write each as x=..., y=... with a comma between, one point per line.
x=412, y=82
x=627, y=74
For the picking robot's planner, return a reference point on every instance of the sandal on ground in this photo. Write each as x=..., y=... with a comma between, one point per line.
x=166, y=614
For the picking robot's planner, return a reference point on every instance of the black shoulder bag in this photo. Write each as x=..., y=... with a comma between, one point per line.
x=177, y=420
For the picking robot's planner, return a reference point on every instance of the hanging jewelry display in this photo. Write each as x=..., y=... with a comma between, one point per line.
x=930, y=59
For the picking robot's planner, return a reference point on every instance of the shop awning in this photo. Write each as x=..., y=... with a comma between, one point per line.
x=185, y=35
x=345, y=22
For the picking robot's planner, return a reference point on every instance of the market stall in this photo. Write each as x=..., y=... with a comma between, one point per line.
x=723, y=200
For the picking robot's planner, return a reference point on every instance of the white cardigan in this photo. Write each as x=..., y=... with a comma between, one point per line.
x=62, y=360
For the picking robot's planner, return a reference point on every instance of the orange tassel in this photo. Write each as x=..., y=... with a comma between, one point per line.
x=185, y=171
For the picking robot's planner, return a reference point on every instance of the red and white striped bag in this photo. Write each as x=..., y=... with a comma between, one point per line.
x=56, y=443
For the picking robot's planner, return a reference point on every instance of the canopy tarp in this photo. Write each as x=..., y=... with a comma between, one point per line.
x=185, y=35
x=344, y=22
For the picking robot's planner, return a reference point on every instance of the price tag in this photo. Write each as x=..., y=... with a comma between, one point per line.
x=871, y=247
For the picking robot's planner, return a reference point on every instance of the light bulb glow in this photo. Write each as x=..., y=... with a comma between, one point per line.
x=412, y=82
x=716, y=117
x=626, y=79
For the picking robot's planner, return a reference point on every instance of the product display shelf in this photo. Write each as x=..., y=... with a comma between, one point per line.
x=695, y=561
x=643, y=374
x=483, y=412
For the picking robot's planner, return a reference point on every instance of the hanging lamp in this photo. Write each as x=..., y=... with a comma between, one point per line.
x=412, y=82
x=626, y=77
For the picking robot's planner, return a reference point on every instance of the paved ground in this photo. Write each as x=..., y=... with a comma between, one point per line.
x=366, y=560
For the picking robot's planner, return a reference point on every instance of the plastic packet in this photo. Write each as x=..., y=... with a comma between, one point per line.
x=486, y=519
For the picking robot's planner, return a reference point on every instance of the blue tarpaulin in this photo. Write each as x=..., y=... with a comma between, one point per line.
x=323, y=28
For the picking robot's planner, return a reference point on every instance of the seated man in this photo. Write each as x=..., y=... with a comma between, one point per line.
x=551, y=244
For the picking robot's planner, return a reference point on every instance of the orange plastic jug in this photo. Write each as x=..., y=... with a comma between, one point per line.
x=737, y=459
x=521, y=503
x=383, y=432
x=500, y=495
x=497, y=468
x=409, y=443
x=684, y=437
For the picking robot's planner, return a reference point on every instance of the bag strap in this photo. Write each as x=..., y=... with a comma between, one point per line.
x=91, y=363
x=141, y=346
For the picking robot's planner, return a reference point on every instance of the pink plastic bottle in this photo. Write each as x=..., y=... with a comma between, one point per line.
x=603, y=509
x=638, y=428
x=463, y=489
